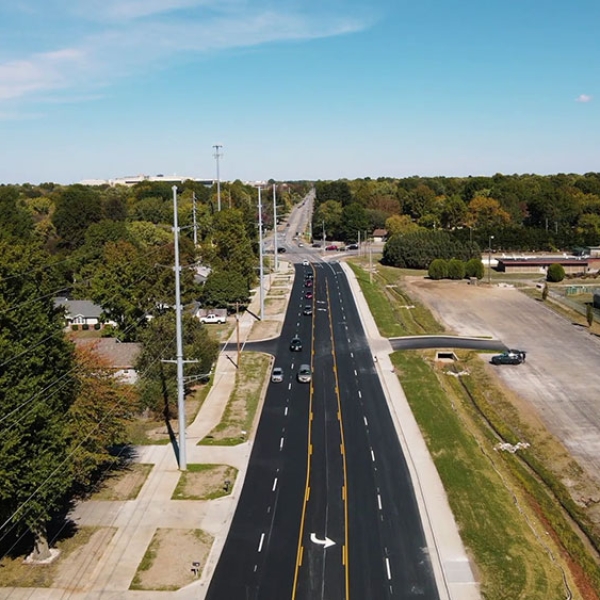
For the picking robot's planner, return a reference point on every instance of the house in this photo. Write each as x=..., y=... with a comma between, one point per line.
x=379, y=235
x=120, y=357
x=80, y=312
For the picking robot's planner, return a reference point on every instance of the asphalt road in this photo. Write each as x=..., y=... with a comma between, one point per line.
x=327, y=509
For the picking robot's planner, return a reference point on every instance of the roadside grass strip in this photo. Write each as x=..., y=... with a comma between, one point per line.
x=239, y=414
x=507, y=543
x=205, y=482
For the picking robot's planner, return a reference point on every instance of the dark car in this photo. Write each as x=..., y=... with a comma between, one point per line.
x=307, y=310
x=352, y=247
x=308, y=295
x=507, y=358
x=296, y=344
x=315, y=245
x=281, y=249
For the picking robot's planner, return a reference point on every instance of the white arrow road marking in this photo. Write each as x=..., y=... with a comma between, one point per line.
x=326, y=542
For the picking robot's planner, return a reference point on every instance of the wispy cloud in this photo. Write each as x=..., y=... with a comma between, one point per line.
x=583, y=98
x=124, y=36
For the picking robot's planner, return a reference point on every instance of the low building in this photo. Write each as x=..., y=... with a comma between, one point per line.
x=119, y=357
x=80, y=312
x=379, y=235
x=540, y=264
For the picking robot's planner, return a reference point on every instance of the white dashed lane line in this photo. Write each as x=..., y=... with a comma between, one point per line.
x=262, y=539
x=275, y=485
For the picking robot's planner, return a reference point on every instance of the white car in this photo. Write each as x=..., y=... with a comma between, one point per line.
x=277, y=375
x=305, y=263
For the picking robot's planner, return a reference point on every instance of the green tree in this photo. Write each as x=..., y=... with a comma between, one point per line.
x=556, y=273
x=438, y=269
x=222, y=288
x=400, y=224
x=589, y=315
x=158, y=381
x=77, y=207
x=456, y=268
x=474, y=268
x=37, y=387
x=354, y=219
x=15, y=221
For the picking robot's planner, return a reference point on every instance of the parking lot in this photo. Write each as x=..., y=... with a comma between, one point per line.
x=561, y=376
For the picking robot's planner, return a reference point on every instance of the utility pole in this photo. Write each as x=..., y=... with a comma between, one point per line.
x=194, y=216
x=371, y=261
x=323, y=236
x=490, y=258
x=260, y=255
x=179, y=355
x=217, y=156
x=359, y=242
x=275, y=226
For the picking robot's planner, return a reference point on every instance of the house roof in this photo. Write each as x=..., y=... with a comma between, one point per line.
x=117, y=355
x=379, y=232
x=83, y=308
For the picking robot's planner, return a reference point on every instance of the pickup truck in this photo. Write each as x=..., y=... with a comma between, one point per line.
x=212, y=318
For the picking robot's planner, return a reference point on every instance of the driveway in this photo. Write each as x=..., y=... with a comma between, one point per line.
x=561, y=377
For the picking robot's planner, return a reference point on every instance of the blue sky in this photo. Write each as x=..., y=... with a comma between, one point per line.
x=297, y=89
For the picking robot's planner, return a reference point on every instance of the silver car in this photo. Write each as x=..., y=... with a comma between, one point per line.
x=304, y=374
x=277, y=375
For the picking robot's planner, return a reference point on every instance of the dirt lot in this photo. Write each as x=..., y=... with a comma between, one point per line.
x=560, y=378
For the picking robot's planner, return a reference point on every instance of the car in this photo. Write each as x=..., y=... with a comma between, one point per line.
x=306, y=263
x=300, y=245
x=308, y=282
x=352, y=247
x=507, y=358
x=281, y=250
x=520, y=353
x=315, y=245
x=308, y=295
x=307, y=310
x=277, y=375
x=213, y=319
x=331, y=248
x=304, y=374
x=309, y=275
x=296, y=344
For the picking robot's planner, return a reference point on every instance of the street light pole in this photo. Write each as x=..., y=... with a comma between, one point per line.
x=260, y=255
x=218, y=155
x=490, y=258
x=275, y=227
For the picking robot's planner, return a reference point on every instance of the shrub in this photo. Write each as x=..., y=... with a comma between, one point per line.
x=474, y=268
x=456, y=269
x=556, y=273
x=85, y=327
x=97, y=326
x=438, y=269
x=74, y=327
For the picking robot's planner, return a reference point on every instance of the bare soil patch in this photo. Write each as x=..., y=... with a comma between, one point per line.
x=205, y=482
x=169, y=559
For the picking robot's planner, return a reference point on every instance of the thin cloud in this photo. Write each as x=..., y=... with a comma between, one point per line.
x=135, y=35
x=583, y=98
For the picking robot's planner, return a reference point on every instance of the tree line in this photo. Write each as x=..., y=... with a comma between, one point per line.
x=63, y=414
x=523, y=212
